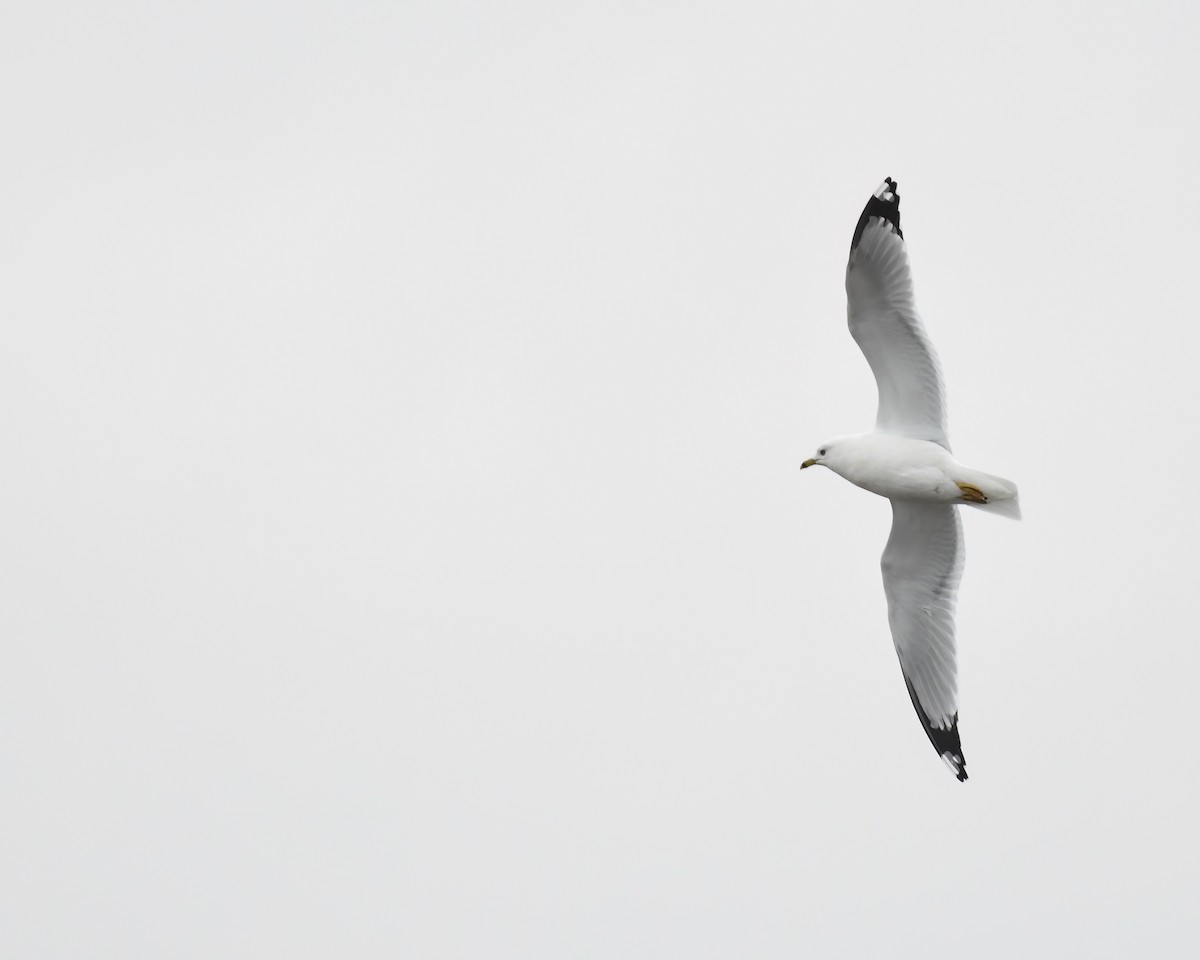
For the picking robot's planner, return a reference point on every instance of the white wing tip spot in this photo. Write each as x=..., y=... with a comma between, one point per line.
x=954, y=761
x=886, y=190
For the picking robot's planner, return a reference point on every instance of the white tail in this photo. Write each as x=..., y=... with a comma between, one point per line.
x=1002, y=497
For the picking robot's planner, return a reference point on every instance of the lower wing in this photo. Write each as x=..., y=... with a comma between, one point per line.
x=922, y=565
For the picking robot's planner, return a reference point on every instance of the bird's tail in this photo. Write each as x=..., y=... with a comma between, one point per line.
x=1001, y=495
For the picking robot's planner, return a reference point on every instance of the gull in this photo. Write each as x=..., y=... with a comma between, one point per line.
x=907, y=459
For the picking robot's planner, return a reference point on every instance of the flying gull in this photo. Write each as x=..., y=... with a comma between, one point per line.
x=907, y=459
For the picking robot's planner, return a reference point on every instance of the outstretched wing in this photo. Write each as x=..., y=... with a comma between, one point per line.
x=885, y=324
x=922, y=565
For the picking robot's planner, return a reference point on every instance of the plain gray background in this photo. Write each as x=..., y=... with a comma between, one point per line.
x=404, y=549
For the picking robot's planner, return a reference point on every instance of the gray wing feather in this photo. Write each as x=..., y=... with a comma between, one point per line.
x=922, y=565
x=885, y=324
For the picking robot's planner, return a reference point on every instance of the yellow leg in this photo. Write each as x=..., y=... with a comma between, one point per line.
x=972, y=494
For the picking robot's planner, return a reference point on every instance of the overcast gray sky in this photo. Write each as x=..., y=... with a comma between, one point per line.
x=405, y=553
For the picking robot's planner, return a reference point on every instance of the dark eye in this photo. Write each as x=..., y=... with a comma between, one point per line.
x=821, y=452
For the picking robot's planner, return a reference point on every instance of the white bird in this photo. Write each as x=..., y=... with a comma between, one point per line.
x=907, y=459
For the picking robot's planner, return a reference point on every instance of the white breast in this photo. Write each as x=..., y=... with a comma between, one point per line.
x=898, y=467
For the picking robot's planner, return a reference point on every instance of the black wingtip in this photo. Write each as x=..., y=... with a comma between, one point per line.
x=885, y=204
x=945, y=741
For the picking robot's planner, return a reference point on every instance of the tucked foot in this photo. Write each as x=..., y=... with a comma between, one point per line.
x=972, y=494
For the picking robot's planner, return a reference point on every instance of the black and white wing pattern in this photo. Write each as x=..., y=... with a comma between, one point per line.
x=884, y=322
x=922, y=565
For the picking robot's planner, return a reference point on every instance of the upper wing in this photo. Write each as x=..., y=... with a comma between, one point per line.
x=922, y=565
x=884, y=322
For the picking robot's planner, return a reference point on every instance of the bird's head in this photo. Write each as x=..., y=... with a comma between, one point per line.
x=826, y=456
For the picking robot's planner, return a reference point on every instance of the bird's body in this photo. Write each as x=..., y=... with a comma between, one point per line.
x=906, y=469
x=907, y=459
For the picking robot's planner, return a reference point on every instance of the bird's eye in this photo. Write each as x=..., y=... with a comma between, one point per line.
x=821, y=452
